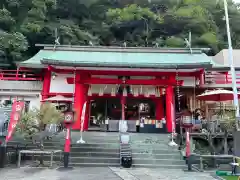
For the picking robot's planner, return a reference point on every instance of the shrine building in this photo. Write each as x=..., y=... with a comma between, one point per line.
x=122, y=82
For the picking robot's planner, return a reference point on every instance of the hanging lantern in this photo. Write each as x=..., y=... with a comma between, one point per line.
x=90, y=90
x=124, y=92
x=135, y=92
x=113, y=92
x=146, y=94
x=54, y=75
x=141, y=90
x=100, y=92
x=197, y=82
x=163, y=91
x=157, y=92
x=131, y=89
x=186, y=119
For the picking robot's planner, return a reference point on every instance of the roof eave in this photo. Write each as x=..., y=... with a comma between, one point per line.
x=154, y=66
x=31, y=65
x=121, y=49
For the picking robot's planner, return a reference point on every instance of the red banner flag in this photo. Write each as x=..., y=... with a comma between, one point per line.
x=188, y=148
x=15, y=115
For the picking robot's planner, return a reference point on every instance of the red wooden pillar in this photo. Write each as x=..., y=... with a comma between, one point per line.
x=79, y=99
x=46, y=83
x=201, y=78
x=159, y=109
x=170, y=108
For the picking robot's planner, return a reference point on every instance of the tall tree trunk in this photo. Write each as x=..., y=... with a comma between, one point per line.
x=42, y=155
x=211, y=144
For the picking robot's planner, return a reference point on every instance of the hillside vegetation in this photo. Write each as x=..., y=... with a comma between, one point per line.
x=145, y=23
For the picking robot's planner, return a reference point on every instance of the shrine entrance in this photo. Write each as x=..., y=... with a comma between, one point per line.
x=107, y=111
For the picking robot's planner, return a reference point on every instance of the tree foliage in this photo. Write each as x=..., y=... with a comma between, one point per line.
x=164, y=23
x=35, y=121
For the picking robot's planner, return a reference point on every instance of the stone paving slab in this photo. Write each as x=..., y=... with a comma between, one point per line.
x=159, y=174
x=100, y=173
x=29, y=173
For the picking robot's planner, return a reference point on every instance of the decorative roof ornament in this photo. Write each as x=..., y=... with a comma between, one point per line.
x=90, y=43
x=189, y=41
x=56, y=41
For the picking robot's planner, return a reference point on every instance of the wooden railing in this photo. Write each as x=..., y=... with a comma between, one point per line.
x=213, y=77
x=19, y=75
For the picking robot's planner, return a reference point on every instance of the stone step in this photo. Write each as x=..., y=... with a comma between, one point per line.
x=90, y=141
x=158, y=161
x=84, y=149
x=155, y=151
x=74, y=155
x=94, y=164
x=163, y=166
x=153, y=146
x=94, y=160
x=157, y=156
x=95, y=145
x=89, y=144
x=95, y=154
x=147, y=137
x=134, y=155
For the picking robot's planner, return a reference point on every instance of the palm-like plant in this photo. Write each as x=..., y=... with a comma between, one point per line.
x=33, y=123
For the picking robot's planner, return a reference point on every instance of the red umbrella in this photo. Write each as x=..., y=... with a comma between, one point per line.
x=217, y=95
x=58, y=98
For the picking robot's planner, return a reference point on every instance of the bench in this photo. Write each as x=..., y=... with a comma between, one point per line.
x=40, y=152
x=215, y=157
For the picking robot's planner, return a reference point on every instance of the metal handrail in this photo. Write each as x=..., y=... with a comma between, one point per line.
x=201, y=156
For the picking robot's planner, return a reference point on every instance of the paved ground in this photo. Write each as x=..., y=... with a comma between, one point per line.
x=89, y=173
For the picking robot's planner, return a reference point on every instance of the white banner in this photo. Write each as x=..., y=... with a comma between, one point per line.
x=83, y=115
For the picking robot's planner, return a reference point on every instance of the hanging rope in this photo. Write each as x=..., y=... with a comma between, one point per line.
x=74, y=82
x=194, y=95
x=178, y=91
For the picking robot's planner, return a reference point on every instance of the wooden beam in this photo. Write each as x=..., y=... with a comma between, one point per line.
x=154, y=82
x=123, y=73
x=96, y=95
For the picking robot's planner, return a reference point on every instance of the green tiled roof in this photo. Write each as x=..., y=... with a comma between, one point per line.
x=120, y=57
x=35, y=61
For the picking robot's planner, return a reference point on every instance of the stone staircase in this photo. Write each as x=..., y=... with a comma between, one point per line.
x=152, y=150
x=100, y=149
x=103, y=149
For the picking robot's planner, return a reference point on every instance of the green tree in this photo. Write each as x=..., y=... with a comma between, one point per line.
x=32, y=125
x=164, y=23
x=12, y=42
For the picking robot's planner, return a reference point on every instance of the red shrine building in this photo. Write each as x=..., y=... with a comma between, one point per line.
x=136, y=84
